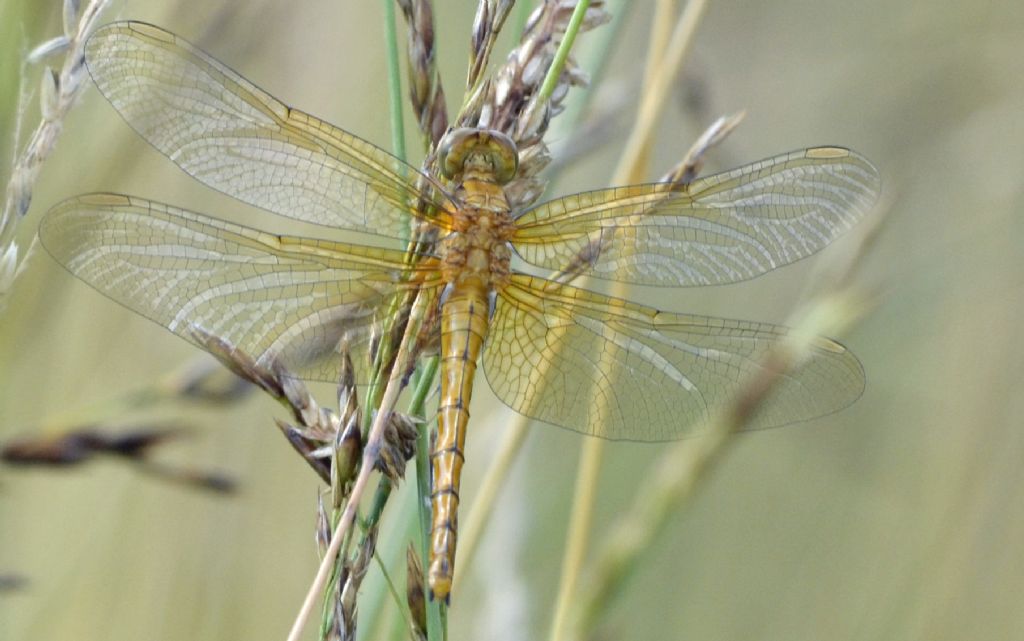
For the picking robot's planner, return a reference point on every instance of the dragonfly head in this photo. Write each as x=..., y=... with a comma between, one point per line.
x=486, y=152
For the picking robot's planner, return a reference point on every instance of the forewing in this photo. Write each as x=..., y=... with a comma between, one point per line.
x=721, y=229
x=226, y=132
x=275, y=297
x=610, y=368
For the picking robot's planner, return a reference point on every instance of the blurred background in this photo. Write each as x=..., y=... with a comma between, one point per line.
x=898, y=518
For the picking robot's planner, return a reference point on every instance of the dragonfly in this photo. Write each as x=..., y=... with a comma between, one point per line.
x=554, y=352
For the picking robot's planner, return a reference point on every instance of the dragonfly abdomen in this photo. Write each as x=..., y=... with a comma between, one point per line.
x=464, y=321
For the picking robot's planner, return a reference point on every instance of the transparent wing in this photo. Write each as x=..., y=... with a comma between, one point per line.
x=226, y=132
x=275, y=297
x=611, y=368
x=721, y=229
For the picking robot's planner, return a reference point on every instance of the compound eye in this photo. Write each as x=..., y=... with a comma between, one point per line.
x=496, y=148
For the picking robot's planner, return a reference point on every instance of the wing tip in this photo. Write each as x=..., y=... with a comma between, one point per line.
x=836, y=152
x=827, y=152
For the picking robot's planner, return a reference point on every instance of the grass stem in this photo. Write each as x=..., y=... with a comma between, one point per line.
x=631, y=169
x=397, y=119
x=632, y=166
x=584, y=497
x=396, y=384
x=562, y=53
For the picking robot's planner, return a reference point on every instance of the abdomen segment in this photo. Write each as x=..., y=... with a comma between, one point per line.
x=464, y=321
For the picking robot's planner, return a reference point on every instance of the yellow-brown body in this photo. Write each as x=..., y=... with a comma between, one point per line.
x=475, y=263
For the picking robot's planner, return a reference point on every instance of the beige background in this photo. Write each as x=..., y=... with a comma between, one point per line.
x=900, y=518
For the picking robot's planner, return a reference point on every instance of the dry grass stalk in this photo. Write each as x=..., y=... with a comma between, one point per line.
x=12, y=582
x=542, y=39
x=678, y=473
x=398, y=378
x=425, y=90
x=353, y=571
x=631, y=169
x=415, y=594
x=330, y=443
x=682, y=174
x=133, y=445
x=504, y=103
x=632, y=164
x=58, y=94
x=689, y=168
x=490, y=17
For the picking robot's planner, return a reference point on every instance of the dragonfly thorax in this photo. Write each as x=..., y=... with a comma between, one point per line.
x=478, y=162
x=478, y=250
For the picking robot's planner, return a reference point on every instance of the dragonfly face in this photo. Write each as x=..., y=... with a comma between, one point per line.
x=478, y=151
x=563, y=355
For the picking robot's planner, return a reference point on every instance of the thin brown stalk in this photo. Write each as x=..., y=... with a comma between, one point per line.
x=415, y=594
x=396, y=383
x=425, y=90
x=503, y=103
x=490, y=17
x=133, y=444
x=59, y=92
x=688, y=169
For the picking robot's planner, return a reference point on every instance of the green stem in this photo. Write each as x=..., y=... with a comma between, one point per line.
x=555, y=70
x=437, y=620
x=395, y=595
x=394, y=80
x=375, y=388
x=601, y=44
